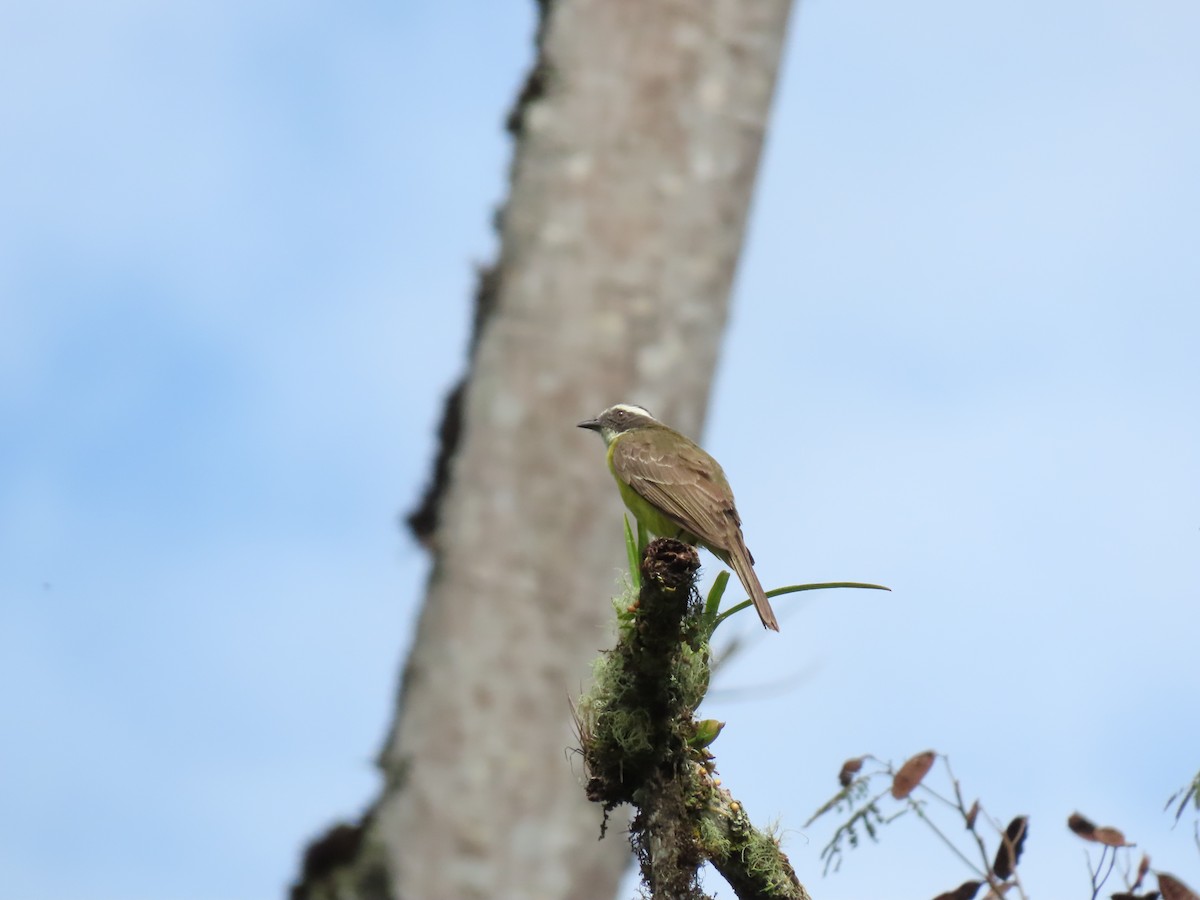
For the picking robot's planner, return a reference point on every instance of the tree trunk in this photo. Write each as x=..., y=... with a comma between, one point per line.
x=637, y=140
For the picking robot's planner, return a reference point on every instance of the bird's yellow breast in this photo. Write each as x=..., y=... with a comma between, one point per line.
x=655, y=521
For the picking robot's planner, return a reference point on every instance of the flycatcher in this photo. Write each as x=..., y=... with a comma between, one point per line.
x=678, y=491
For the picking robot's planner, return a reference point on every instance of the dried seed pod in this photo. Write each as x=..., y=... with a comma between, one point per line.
x=911, y=773
x=965, y=891
x=1143, y=868
x=972, y=815
x=1110, y=837
x=1085, y=828
x=1174, y=889
x=1011, y=846
x=850, y=768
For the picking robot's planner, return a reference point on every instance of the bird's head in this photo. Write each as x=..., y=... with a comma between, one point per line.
x=619, y=419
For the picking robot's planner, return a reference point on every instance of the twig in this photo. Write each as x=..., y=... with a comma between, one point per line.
x=916, y=807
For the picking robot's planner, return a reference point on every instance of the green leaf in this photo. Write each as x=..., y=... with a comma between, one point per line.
x=706, y=732
x=712, y=605
x=794, y=588
x=633, y=550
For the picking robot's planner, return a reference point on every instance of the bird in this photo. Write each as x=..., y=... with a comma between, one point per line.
x=675, y=489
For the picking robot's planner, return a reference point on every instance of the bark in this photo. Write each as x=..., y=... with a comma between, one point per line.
x=637, y=140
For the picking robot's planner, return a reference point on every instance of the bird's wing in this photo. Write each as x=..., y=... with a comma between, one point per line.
x=685, y=491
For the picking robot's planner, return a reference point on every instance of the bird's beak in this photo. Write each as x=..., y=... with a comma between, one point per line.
x=590, y=424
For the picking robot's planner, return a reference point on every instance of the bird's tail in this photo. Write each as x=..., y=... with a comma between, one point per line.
x=743, y=564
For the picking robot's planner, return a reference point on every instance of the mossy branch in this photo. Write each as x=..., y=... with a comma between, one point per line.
x=643, y=745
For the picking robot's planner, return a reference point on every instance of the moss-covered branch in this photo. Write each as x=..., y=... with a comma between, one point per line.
x=643, y=745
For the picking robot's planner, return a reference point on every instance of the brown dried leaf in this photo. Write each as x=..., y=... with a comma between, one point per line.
x=1174, y=889
x=1085, y=828
x=911, y=773
x=1011, y=846
x=850, y=768
x=1110, y=837
x=965, y=891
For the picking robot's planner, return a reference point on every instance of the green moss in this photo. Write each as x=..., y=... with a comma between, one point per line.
x=691, y=675
x=713, y=838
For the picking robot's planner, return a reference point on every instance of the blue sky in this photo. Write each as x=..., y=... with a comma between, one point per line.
x=236, y=251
